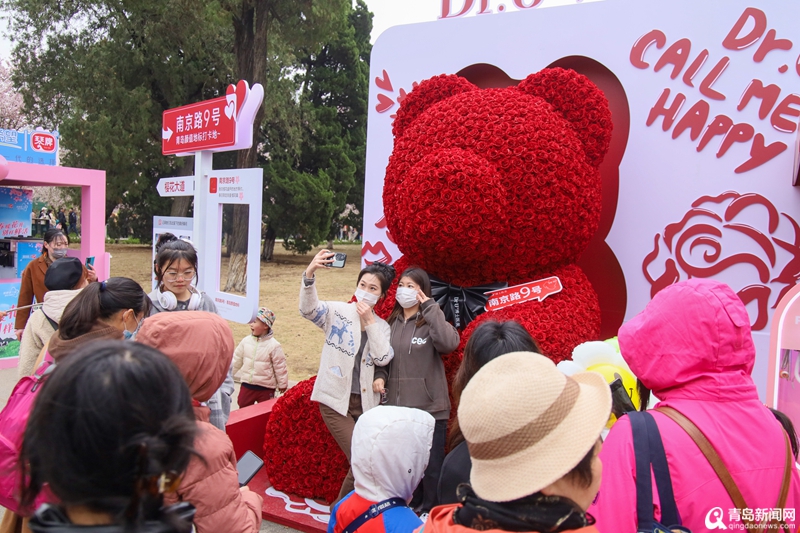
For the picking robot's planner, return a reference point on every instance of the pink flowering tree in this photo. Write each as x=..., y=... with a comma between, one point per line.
x=11, y=116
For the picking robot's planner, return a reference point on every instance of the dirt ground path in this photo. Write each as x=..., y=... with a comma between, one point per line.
x=279, y=290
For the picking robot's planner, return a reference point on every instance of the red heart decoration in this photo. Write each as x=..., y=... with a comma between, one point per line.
x=242, y=88
x=376, y=250
x=230, y=105
x=402, y=96
x=381, y=223
x=384, y=83
x=384, y=103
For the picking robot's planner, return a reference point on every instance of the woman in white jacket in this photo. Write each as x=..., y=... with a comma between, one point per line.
x=356, y=340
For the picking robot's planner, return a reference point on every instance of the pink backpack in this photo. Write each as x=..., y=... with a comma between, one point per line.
x=13, y=419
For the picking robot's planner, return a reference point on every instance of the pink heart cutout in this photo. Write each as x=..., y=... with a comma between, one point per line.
x=384, y=83
x=384, y=103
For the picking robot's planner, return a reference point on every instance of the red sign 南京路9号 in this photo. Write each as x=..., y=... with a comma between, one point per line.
x=206, y=125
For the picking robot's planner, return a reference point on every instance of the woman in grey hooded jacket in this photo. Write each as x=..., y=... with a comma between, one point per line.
x=420, y=336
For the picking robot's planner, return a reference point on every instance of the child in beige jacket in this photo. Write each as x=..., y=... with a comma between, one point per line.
x=259, y=362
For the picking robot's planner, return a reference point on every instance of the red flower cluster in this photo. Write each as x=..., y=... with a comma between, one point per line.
x=300, y=454
x=431, y=91
x=497, y=184
x=580, y=102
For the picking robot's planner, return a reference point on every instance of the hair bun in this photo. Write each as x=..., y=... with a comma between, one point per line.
x=388, y=271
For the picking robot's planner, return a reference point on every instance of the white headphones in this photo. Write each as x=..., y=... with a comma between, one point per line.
x=168, y=301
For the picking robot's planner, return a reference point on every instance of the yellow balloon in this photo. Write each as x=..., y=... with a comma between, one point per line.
x=613, y=342
x=610, y=372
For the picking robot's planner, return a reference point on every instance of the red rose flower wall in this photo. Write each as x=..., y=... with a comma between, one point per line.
x=300, y=454
x=502, y=185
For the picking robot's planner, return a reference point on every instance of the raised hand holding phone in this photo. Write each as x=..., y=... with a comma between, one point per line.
x=323, y=259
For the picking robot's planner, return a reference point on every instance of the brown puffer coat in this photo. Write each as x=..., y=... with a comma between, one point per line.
x=201, y=346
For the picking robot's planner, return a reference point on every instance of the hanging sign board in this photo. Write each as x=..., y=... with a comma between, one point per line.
x=202, y=126
x=29, y=146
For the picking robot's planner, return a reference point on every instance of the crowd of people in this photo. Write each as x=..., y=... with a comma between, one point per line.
x=129, y=436
x=50, y=218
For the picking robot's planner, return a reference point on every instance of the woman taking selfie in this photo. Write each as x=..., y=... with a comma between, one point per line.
x=356, y=339
x=416, y=378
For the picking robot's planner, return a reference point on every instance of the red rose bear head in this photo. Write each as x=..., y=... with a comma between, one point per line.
x=488, y=185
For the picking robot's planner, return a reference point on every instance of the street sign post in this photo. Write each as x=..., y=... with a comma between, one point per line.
x=217, y=125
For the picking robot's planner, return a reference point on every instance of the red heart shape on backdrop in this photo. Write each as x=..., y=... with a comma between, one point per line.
x=230, y=102
x=384, y=83
x=384, y=103
x=242, y=88
x=381, y=223
x=377, y=252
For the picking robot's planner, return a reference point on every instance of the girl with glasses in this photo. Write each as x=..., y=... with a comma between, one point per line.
x=176, y=272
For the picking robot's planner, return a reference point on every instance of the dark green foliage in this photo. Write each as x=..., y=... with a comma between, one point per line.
x=322, y=139
x=103, y=72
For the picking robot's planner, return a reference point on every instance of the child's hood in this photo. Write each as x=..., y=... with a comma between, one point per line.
x=199, y=343
x=391, y=446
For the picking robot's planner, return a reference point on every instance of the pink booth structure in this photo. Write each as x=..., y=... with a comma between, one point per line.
x=93, y=200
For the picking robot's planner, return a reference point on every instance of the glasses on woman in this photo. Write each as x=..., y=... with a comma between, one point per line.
x=186, y=275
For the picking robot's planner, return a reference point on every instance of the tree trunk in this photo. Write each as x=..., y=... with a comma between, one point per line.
x=181, y=204
x=250, y=49
x=269, y=244
x=330, y=244
x=237, y=246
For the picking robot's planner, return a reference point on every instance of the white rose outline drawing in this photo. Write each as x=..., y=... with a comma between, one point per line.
x=713, y=220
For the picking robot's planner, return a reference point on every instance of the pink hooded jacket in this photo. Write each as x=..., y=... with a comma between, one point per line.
x=692, y=347
x=201, y=346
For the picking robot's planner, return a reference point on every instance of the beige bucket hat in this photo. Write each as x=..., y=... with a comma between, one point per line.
x=527, y=425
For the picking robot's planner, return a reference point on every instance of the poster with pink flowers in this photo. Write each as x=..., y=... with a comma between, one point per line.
x=700, y=176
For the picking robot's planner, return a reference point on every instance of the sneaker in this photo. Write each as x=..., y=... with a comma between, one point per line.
x=423, y=517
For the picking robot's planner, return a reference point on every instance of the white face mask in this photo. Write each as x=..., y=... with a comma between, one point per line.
x=366, y=297
x=406, y=297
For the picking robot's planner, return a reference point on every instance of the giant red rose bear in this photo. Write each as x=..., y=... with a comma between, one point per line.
x=502, y=185
x=483, y=187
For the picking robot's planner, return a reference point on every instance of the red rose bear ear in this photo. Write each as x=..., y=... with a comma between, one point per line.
x=579, y=101
x=425, y=95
